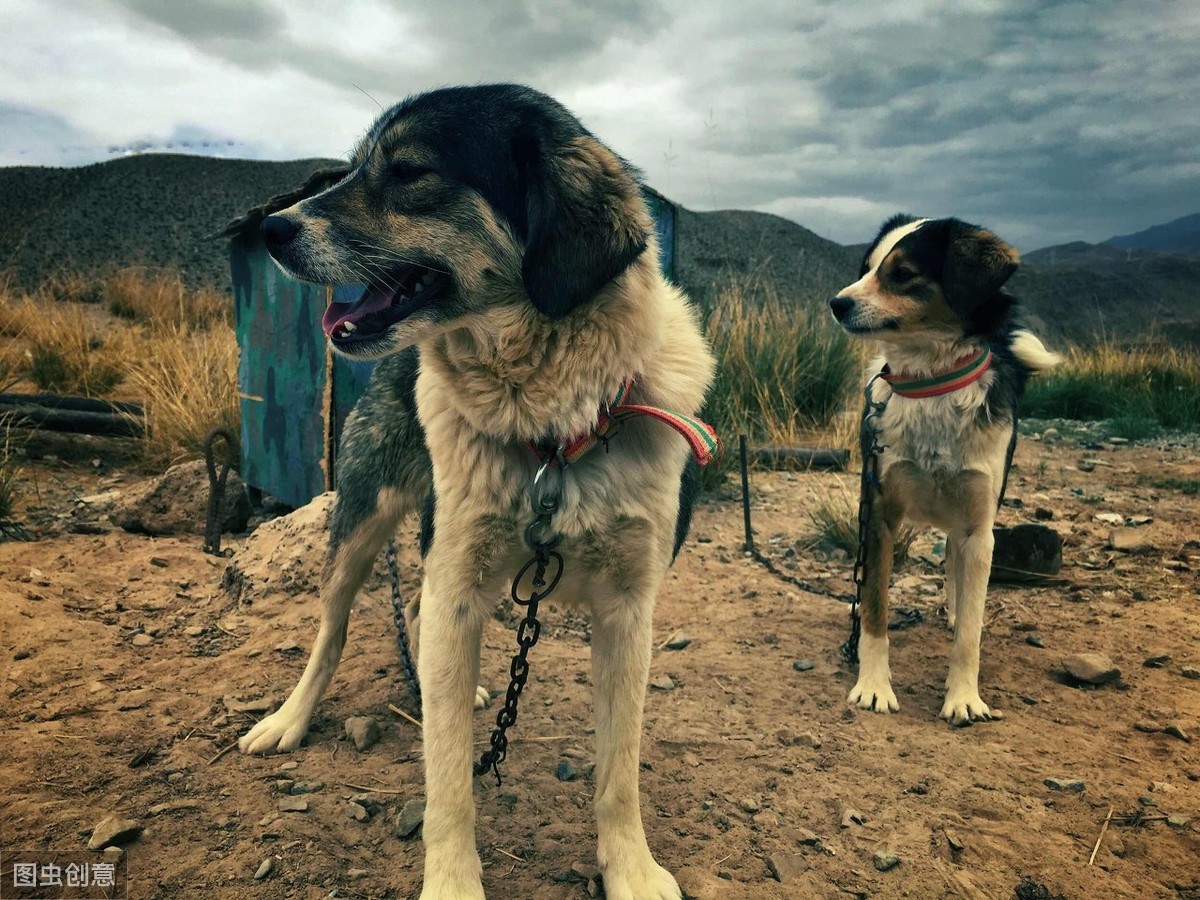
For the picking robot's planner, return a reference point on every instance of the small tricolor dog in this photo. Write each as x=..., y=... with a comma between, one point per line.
x=513, y=286
x=954, y=363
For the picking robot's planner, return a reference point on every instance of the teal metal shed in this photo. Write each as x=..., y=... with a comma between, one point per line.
x=295, y=392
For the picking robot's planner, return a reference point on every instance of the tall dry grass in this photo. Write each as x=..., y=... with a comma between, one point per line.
x=783, y=373
x=169, y=348
x=1139, y=389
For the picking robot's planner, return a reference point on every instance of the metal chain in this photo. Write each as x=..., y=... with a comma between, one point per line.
x=868, y=489
x=216, y=489
x=547, y=494
x=407, y=666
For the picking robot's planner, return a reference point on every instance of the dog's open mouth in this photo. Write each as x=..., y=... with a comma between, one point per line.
x=386, y=301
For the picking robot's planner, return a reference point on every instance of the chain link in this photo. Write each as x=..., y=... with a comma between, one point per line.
x=547, y=494
x=868, y=489
x=407, y=666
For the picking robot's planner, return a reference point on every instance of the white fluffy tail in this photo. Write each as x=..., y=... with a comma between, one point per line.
x=1032, y=353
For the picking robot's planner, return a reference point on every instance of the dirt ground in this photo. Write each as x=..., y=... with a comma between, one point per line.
x=746, y=759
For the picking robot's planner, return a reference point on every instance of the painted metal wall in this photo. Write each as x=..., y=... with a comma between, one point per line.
x=296, y=394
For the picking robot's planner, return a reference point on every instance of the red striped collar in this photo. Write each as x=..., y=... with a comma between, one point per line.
x=965, y=371
x=701, y=437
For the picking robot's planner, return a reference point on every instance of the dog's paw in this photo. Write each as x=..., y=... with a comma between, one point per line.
x=280, y=732
x=645, y=881
x=483, y=698
x=875, y=694
x=963, y=706
x=452, y=876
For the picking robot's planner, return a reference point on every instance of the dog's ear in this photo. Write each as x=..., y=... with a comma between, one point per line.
x=586, y=220
x=977, y=265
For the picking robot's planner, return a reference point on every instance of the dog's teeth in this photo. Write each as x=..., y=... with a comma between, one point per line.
x=348, y=327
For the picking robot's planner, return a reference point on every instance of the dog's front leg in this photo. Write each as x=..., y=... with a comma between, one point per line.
x=873, y=690
x=621, y=645
x=973, y=562
x=453, y=611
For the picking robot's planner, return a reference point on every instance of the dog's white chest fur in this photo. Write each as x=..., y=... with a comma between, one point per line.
x=936, y=434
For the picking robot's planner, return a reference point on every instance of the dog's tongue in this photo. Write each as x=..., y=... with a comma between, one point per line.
x=373, y=300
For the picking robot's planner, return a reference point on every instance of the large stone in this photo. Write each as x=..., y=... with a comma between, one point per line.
x=409, y=819
x=363, y=730
x=176, y=502
x=787, y=867
x=1091, y=668
x=1025, y=552
x=113, y=830
x=1129, y=540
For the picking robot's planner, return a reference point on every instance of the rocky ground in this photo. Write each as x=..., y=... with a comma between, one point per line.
x=129, y=663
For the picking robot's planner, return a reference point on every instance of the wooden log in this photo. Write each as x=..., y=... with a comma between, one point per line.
x=66, y=401
x=801, y=458
x=73, y=421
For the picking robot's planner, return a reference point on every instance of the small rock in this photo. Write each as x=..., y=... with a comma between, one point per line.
x=1156, y=662
x=293, y=804
x=194, y=631
x=1070, y=785
x=678, y=641
x=1034, y=641
x=802, y=665
x=786, y=867
x=1129, y=540
x=113, y=854
x=142, y=639
x=955, y=842
x=363, y=730
x=1091, y=668
x=750, y=805
x=358, y=812
x=1109, y=519
x=113, y=830
x=852, y=817
x=356, y=874
x=1086, y=465
x=1176, y=732
x=1043, y=514
x=409, y=819
x=807, y=838
x=260, y=705
x=306, y=786
x=1051, y=435
x=565, y=771
x=662, y=683
x=264, y=869
x=1190, y=672
x=885, y=860
x=1177, y=820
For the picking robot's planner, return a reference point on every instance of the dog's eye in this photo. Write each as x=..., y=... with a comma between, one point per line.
x=903, y=274
x=407, y=172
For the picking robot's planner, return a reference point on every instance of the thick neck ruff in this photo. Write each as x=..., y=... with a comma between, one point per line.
x=965, y=371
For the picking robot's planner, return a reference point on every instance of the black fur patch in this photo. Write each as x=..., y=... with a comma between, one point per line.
x=428, y=509
x=687, y=499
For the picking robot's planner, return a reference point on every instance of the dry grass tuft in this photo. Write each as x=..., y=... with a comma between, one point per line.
x=170, y=348
x=782, y=373
x=159, y=299
x=1138, y=389
x=836, y=521
x=187, y=382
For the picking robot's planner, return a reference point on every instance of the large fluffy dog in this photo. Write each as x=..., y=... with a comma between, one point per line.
x=957, y=359
x=515, y=253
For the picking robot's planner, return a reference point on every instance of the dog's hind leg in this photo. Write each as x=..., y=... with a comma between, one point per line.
x=622, y=642
x=355, y=540
x=873, y=690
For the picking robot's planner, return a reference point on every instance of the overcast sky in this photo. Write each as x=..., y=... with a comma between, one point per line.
x=1047, y=121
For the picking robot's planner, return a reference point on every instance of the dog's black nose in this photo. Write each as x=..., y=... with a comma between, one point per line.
x=840, y=307
x=278, y=231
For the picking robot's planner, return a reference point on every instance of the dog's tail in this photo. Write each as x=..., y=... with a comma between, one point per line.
x=1032, y=353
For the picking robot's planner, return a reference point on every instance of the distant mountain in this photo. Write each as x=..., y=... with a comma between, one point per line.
x=760, y=254
x=162, y=209
x=154, y=209
x=1179, y=236
x=1082, y=292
